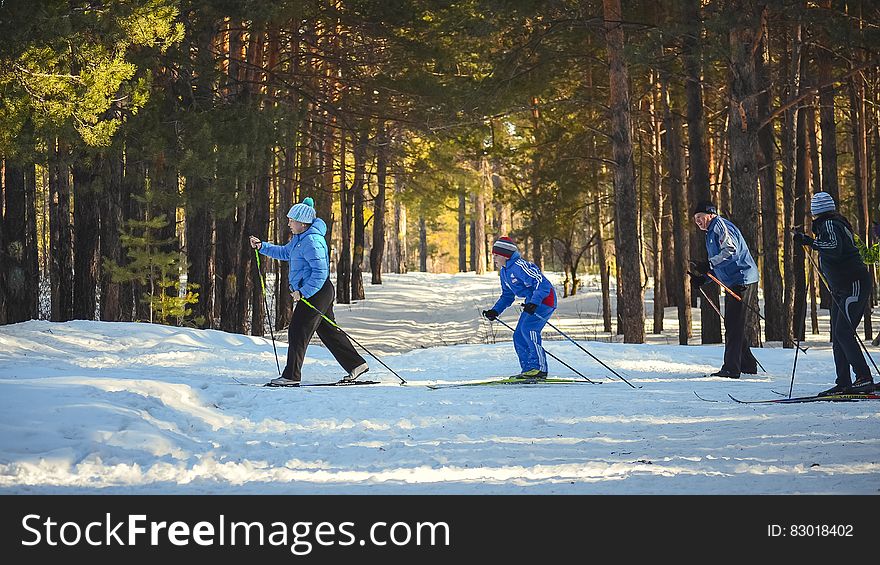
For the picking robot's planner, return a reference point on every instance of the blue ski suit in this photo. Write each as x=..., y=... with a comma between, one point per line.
x=523, y=279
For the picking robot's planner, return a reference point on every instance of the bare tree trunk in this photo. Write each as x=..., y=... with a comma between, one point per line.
x=774, y=328
x=357, y=258
x=423, y=245
x=111, y=223
x=698, y=154
x=604, y=267
x=86, y=226
x=377, y=250
x=60, y=234
x=479, y=240
x=462, y=231
x=632, y=308
x=343, y=268
x=793, y=324
x=3, y=257
x=676, y=167
x=860, y=169
x=745, y=35
x=287, y=195
x=803, y=182
x=20, y=238
x=657, y=198
x=826, y=109
x=229, y=271
x=399, y=224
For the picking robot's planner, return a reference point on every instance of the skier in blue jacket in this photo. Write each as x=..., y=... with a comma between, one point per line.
x=309, y=277
x=731, y=263
x=522, y=279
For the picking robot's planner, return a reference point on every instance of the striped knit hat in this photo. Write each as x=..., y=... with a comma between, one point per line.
x=303, y=212
x=821, y=202
x=504, y=246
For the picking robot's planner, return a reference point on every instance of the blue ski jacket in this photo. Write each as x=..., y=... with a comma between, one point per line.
x=308, y=256
x=523, y=279
x=729, y=256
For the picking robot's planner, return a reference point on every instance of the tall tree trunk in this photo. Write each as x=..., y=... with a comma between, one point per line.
x=199, y=246
x=377, y=250
x=3, y=259
x=860, y=169
x=478, y=243
x=227, y=260
x=632, y=308
x=22, y=285
x=399, y=224
x=111, y=222
x=60, y=233
x=657, y=199
x=260, y=227
x=343, y=267
x=604, y=267
x=423, y=245
x=774, y=328
x=794, y=318
x=826, y=108
x=803, y=189
x=86, y=226
x=357, y=258
x=462, y=231
x=676, y=167
x=698, y=151
x=745, y=37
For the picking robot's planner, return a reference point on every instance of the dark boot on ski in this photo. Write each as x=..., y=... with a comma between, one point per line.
x=836, y=389
x=725, y=373
x=863, y=385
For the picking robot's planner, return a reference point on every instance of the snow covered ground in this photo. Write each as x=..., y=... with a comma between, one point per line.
x=125, y=408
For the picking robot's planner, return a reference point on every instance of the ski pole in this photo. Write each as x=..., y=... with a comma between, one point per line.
x=749, y=306
x=846, y=316
x=335, y=325
x=563, y=334
x=266, y=304
x=551, y=355
x=706, y=297
x=794, y=365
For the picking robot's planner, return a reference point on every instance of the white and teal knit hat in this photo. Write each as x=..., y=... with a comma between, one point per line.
x=303, y=212
x=821, y=202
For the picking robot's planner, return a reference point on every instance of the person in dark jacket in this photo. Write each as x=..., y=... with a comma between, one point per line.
x=731, y=263
x=523, y=279
x=309, y=277
x=849, y=282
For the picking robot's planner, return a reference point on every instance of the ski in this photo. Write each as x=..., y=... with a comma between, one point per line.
x=300, y=385
x=510, y=381
x=828, y=398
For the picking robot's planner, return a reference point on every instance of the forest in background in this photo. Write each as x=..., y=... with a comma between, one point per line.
x=142, y=141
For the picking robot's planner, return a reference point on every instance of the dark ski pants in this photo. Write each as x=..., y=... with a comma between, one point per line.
x=738, y=356
x=847, y=310
x=303, y=324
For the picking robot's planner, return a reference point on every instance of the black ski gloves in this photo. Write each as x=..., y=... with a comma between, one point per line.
x=701, y=267
x=490, y=314
x=530, y=307
x=698, y=280
x=802, y=239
